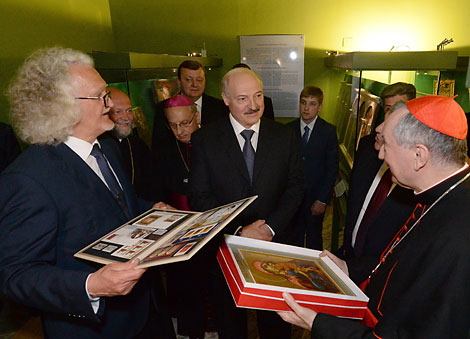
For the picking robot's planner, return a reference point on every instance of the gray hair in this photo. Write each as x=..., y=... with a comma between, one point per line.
x=445, y=150
x=226, y=78
x=42, y=107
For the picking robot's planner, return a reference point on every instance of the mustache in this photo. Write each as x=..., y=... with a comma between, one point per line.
x=250, y=111
x=123, y=121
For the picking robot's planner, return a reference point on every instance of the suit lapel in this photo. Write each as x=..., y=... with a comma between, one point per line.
x=126, y=184
x=263, y=149
x=204, y=110
x=297, y=129
x=229, y=140
x=74, y=166
x=314, y=134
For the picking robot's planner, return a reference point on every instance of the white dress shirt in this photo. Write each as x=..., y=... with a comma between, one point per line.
x=238, y=129
x=369, y=195
x=310, y=127
x=198, y=103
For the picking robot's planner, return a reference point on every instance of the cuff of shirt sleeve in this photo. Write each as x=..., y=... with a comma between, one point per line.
x=272, y=231
x=95, y=302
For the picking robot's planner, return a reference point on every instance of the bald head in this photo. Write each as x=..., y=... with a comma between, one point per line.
x=121, y=113
x=242, y=91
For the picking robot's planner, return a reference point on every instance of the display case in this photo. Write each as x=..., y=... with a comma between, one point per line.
x=358, y=108
x=148, y=78
x=364, y=80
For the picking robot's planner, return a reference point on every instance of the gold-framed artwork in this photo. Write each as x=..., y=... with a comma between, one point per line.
x=446, y=88
x=258, y=272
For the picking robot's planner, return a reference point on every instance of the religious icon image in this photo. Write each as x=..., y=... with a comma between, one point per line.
x=148, y=220
x=140, y=233
x=165, y=88
x=163, y=252
x=283, y=271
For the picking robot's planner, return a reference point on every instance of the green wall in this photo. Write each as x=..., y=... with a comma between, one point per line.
x=181, y=26
x=30, y=24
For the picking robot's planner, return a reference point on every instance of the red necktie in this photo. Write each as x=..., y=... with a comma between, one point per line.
x=375, y=202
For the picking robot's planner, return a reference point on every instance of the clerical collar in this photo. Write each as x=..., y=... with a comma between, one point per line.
x=431, y=193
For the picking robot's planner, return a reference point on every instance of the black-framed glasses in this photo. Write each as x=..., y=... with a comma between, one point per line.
x=183, y=124
x=105, y=98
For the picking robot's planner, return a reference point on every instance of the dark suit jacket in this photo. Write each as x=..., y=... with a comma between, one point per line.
x=320, y=157
x=52, y=205
x=212, y=110
x=9, y=147
x=139, y=164
x=390, y=217
x=219, y=174
x=268, y=108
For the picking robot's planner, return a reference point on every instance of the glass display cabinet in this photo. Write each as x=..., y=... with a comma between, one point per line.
x=358, y=108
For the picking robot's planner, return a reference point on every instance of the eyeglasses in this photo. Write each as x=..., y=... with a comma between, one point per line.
x=183, y=124
x=105, y=98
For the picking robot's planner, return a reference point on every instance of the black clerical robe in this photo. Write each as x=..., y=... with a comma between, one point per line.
x=422, y=290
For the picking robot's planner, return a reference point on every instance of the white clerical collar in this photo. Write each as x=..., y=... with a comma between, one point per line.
x=441, y=181
x=81, y=147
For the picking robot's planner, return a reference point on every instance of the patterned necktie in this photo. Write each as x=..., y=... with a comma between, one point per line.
x=110, y=179
x=379, y=196
x=249, y=151
x=305, y=136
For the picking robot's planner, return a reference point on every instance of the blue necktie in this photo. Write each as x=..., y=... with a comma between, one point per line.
x=305, y=136
x=110, y=179
x=249, y=151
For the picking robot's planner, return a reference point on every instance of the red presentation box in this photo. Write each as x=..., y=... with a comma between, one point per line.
x=257, y=272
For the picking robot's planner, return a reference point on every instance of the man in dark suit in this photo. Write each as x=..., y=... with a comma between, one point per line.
x=64, y=192
x=192, y=83
x=240, y=156
x=427, y=267
x=319, y=149
x=368, y=231
x=138, y=161
x=9, y=147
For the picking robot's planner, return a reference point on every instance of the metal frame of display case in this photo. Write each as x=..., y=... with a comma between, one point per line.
x=120, y=67
x=376, y=61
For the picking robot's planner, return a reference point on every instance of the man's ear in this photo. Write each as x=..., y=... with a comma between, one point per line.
x=320, y=107
x=421, y=156
x=179, y=85
x=225, y=98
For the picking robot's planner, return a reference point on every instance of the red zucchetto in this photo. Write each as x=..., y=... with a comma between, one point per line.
x=179, y=100
x=440, y=113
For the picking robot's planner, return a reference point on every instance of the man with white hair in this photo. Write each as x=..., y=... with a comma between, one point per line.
x=420, y=287
x=65, y=191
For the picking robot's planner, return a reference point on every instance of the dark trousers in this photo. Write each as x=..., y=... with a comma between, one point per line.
x=188, y=288
x=158, y=325
x=307, y=227
x=231, y=321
